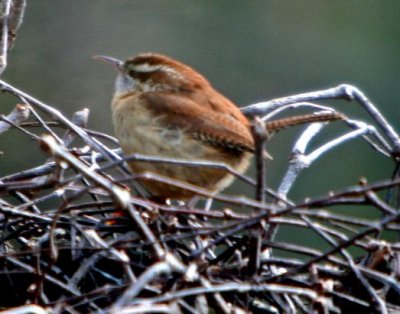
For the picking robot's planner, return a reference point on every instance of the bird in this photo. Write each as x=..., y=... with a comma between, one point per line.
x=162, y=107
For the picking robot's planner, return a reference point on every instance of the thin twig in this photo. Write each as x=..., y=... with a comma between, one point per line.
x=343, y=91
x=19, y=114
x=4, y=21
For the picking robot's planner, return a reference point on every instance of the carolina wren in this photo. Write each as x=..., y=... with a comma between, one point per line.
x=162, y=107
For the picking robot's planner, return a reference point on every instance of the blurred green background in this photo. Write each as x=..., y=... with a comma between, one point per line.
x=250, y=50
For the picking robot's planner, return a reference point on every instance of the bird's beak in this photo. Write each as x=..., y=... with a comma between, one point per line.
x=115, y=63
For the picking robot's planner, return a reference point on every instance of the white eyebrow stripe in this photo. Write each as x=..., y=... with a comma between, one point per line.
x=145, y=67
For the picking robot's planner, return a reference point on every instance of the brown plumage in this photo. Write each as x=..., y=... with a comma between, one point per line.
x=162, y=107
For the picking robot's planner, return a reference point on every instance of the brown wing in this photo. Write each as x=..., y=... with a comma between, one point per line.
x=202, y=119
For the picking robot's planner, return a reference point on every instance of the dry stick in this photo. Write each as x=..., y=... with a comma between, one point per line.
x=223, y=305
x=89, y=263
x=299, y=267
x=119, y=195
x=53, y=280
x=79, y=118
x=353, y=192
x=43, y=123
x=297, y=164
x=260, y=136
x=20, y=113
x=371, y=130
x=93, y=133
x=4, y=15
x=15, y=20
x=188, y=163
x=149, y=274
x=390, y=193
x=167, y=266
x=56, y=114
x=29, y=134
x=141, y=202
x=217, y=214
x=337, y=219
x=305, y=251
x=378, y=302
x=237, y=200
x=293, y=171
x=92, y=142
x=343, y=91
x=232, y=228
x=374, y=199
x=234, y=287
x=343, y=198
x=11, y=17
x=15, y=211
x=351, y=123
x=299, y=223
x=376, y=227
x=261, y=132
x=29, y=173
x=300, y=161
x=96, y=241
x=24, y=309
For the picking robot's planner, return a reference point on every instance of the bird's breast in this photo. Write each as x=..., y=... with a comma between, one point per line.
x=141, y=131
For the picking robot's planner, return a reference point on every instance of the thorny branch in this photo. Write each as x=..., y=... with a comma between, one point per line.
x=120, y=252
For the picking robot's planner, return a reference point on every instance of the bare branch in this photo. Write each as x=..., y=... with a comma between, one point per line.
x=18, y=115
x=343, y=91
x=11, y=16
